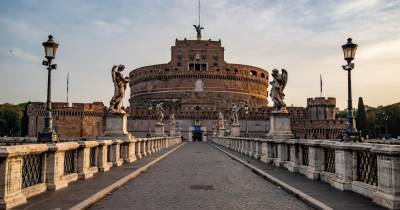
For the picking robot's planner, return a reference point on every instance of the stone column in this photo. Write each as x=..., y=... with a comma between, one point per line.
x=388, y=194
x=143, y=148
x=265, y=152
x=293, y=165
x=343, y=166
x=115, y=154
x=55, y=165
x=85, y=170
x=315, y=160
x=130, y=151
x=280, y=157
x=257, y=149
x=11, y=181
x=138, y=147
x=102, y=163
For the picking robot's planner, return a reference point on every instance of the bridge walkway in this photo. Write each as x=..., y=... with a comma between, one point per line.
x=197, y=176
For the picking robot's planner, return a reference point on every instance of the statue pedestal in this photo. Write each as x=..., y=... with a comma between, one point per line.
x=172, y=132
x=280, y=126
x=221, y=132
x=116, y=124
x=235, y=130
x=159, y=130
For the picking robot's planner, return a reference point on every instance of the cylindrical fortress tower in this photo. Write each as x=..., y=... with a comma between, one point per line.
x=198, y=78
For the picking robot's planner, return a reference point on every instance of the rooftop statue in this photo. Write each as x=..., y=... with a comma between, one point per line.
x=278, y=85
x=119, y=89
x=198, y=31
x=160, y=112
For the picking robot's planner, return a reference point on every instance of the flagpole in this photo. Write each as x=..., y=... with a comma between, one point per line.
x=67, y=89
x=320, y=88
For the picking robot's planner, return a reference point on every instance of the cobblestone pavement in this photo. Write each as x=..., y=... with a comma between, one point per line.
x=197, y=176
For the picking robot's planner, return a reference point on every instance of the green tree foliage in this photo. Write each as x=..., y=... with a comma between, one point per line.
x=10, y=120
x=376, y=120
x=25, y=119
x=361, y=117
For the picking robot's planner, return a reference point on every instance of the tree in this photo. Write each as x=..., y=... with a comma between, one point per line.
x=10, y=120
x=361, y=117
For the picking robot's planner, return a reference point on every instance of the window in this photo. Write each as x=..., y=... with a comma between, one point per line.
x=197, y=66
x=253, y=73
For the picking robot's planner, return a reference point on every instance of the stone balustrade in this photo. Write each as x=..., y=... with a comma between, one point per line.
x=372, y=170
x=30, y=169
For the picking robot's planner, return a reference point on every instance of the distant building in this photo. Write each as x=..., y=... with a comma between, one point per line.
x=321, y=122
x=81, y=120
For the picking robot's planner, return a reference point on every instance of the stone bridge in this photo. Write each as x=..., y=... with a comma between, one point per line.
x=225, y=173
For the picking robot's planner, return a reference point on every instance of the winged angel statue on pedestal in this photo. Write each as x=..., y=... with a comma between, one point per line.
x=119, y=89
x=278, y=85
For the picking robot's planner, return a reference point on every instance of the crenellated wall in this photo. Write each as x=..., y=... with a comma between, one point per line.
x=79, y=120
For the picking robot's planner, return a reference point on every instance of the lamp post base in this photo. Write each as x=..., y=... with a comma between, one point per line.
x=353, y=136
x=48, y=137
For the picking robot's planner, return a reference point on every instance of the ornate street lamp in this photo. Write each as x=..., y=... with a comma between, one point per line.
x=148, y=121
x=49, y=134
x=386, y=117
x=246, y=112
x=349, y=51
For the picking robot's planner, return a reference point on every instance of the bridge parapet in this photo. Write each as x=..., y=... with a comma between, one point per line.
x=370, y=169
x=30, y=169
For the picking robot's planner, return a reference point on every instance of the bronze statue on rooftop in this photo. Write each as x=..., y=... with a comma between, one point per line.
x=198, y=31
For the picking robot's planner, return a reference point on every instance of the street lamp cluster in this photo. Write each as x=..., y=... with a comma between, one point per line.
x=49, y=134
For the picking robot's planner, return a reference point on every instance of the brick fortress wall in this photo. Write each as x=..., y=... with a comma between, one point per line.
x=79, y=120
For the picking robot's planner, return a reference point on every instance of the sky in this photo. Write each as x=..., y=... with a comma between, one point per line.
x=302, y=36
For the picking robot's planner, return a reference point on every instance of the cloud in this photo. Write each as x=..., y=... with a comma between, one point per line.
x=303, y=36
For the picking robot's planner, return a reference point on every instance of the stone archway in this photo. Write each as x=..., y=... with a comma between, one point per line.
x=194, y=129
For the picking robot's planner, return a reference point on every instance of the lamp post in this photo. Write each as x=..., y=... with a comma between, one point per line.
x=148, y=121
x=49, y=134
x=386, y=117
x=246, y=112
x=349, y=51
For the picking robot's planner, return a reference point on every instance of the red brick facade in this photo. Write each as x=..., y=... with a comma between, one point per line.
x=79, y=120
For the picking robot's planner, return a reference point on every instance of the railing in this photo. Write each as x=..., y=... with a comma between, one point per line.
x=366, y=168
x=69, y=162
x=304, y=152
x=288, y=152
x=30, y=169
x=93, y=157
x=329, y=160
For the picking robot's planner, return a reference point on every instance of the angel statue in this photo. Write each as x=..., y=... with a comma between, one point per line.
x=119, y=89
x=235, y=114
x=160, y=112
x=278, y=85
x=198, y=31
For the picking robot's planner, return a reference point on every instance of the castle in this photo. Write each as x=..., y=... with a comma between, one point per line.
x=196, y=84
